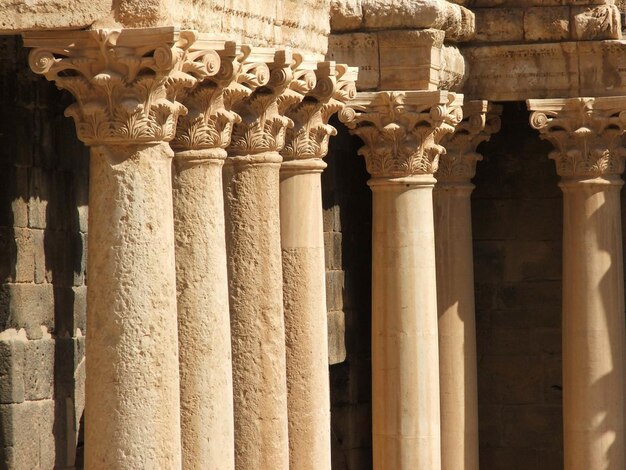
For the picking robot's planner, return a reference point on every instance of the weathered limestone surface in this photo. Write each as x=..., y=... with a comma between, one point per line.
x=455, y=285
x=401, y=132
x=350, y=15
x=548, y=23
x=132, y=383
x=589, y=157
x=302, y=242
x=400, y=59
x=565, y=69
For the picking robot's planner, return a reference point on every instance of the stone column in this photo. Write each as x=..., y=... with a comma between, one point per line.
x=402, y=131
x=589, y=155
x=304, y=273
x=251, y=181
x=455, y=285
x=202, y=135
x=125, y=84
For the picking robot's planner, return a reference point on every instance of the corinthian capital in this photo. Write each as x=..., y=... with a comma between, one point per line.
x=264, y=122
x=211, y=116
x=402, y=130
x=125, y=82
x=480, y=121
x=585, y=132
x=309, y=136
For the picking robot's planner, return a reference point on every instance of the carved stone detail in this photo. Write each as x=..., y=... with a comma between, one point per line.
x=480, y=121
x=586, y=133
x=210, y=120
x=402, y=130
x=309, y=136
x=263, y=121
x=125, y=82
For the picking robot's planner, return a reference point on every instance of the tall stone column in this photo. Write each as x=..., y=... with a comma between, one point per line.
x=251, y=184
x=304, y=272
x=203, y=314
x=125, y=84
x=402, y=131
x=455, y=285
x=589, y=155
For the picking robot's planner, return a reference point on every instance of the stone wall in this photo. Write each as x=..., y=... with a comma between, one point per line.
x=347, y=205
x=43, y=224
x=517, y=225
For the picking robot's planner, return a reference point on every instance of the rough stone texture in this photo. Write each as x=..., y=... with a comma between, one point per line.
x=458, y=22
x=256, y=307
x=558, y=22
x=203, y=314
x=133, y=399
x=20, y=15
x=400, y=59
x=43, y=225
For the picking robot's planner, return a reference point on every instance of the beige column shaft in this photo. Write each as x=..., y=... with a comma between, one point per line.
x=203, y=314
x=593, y=325
x=455, y=286
x=256, y=303
x=126, y=112
x=405, y=367
x=131, y=392
x=251, y=184
x=304, y=272
x=589, y=155
x=304, y=290
x=401, y=131
x=457, y=328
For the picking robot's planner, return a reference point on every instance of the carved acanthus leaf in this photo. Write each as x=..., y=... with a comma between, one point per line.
x=264, y=122
x=402, y=131
x=125, y=82
x=480, y=121
x=311, y=132
x=585, y=132
x=210, y=120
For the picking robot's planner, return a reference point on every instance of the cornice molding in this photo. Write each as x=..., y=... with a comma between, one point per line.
x=585, y=132
x=481, y=120
x=125, y=81
x=402, y=130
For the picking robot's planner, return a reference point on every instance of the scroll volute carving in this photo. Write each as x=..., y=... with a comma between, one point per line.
x=585, y=132
x=309, y=136
x=264, y=122
x=402, y=130
x=211, y=118
x=480, y=121
x=125, y=82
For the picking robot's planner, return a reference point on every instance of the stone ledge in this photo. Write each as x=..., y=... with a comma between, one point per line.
x=552, y=70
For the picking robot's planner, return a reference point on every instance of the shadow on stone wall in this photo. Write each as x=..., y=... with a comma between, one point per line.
x=347, y=204
x=43, y=198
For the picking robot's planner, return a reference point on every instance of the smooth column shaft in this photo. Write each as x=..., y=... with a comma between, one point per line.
x=593, y=325
x=306, y=326
x=132, y=385
x=457, y=327
x=256, y=308
x=405, y=357
x=203, y=315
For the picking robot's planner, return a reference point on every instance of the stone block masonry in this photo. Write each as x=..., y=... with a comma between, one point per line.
x=43, y=225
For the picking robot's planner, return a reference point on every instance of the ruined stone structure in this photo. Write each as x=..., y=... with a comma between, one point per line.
x=317, y=235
